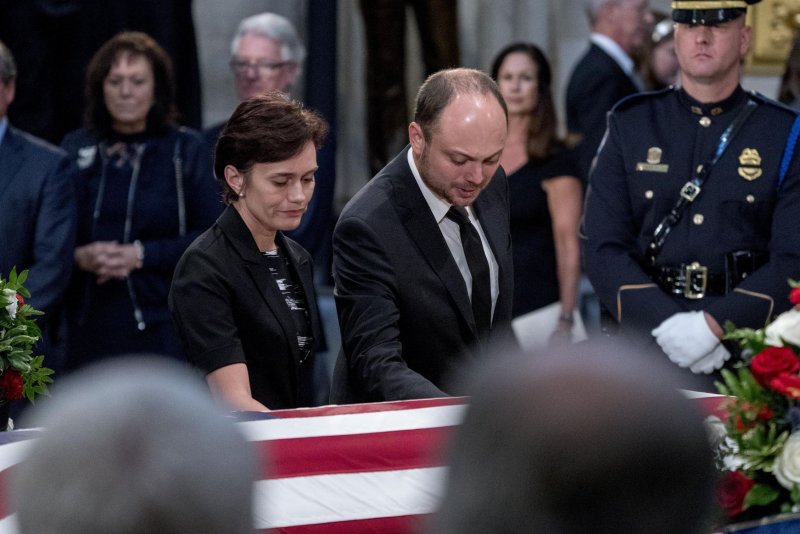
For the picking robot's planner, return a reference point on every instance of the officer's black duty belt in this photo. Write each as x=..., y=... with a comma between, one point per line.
x=695, y=281
x=692, y=281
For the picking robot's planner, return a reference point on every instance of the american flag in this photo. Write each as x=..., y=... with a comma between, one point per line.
x=334, y=469
x=360, y=468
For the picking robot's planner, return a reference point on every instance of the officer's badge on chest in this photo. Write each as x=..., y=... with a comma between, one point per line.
x=750, y=164
x=653, y=161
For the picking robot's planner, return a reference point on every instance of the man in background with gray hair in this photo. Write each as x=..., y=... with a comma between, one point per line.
x=606, y=73
x=266, y=55
x=133, y=446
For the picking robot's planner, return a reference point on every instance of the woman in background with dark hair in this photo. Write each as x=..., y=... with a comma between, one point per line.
x=145, y=190
x=243, y=294
x=545, y=194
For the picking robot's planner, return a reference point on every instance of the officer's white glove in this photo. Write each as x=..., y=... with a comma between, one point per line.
x=686, y=337
x=711, y=361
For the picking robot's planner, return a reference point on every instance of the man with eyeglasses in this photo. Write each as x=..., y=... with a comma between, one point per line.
x=266, y=55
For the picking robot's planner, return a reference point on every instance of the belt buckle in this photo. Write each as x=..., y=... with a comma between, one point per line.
x=696, y=281
x=689, y=191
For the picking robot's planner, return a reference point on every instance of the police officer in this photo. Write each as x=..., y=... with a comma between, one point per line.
x=689, y=220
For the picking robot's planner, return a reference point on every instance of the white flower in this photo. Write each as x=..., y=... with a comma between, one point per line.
x=787, y=465
x=720, y=440
x=10, y=302
x=785, y=328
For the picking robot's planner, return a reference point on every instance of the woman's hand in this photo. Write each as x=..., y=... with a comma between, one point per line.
x=231, y=384
x=108, y=259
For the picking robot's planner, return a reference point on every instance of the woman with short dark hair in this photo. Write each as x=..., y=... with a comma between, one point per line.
x=243, y=294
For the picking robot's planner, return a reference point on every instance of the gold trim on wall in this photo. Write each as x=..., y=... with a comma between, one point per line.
x=774, y=23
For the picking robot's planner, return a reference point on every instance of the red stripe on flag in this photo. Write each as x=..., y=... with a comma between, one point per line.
x=347, y=409
x=384, y=525
x=379, y=451
x=713, y=406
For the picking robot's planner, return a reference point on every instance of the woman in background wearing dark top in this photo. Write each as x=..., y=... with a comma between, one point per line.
x=243, y=295
x=145, y=190
x=545, y=193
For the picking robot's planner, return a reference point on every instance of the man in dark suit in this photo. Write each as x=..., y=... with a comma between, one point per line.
x=606, y=73
x=37, y=223
x=412, y=291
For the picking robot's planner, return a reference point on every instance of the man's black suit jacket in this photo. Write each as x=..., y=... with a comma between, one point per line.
x=403, y=305
x=596, y=84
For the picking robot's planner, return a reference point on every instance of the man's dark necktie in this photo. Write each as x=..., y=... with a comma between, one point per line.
x=478, y=267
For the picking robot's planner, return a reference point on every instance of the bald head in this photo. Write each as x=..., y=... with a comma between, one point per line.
x=442, y=87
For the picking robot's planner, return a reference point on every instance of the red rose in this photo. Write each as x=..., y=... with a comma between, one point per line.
x=786, y=384
x=20, y=300
x=732, y=490
x=11, y=383
x=765, y=413
x=773, y=361
x=794, y=296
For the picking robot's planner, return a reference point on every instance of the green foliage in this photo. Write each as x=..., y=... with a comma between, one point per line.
x=751, y=340
x=760, y=495
x=760, y=417
x=19, y=333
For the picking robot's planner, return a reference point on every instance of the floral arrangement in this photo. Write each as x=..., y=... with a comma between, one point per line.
x=21, y=373
x=760, y=455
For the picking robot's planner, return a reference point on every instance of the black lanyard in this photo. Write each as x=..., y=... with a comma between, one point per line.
x=691, y=189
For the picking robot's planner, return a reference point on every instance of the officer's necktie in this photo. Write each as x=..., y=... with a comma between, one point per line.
x=478, y=267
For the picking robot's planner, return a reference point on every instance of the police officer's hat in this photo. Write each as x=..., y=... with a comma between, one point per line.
x=708, y=11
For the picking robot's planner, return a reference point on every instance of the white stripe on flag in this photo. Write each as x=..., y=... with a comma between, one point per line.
x=359, y=423
x=13, y=453
x=8, y=525
x=699, y=394
x=319, y=499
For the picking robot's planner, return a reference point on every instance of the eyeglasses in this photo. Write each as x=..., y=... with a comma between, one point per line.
x=262, y=66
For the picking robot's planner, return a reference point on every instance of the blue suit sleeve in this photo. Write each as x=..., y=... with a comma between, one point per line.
x=54, y=238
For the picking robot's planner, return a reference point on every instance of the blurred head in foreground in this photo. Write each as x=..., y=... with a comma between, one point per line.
x=584, y=440
x=130, y=447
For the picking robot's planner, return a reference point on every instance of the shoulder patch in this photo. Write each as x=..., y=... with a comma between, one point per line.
x=763, y=100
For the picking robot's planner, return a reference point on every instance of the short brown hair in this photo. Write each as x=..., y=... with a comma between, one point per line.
x=267, y=128
x=442, y=87
x=163, y=112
